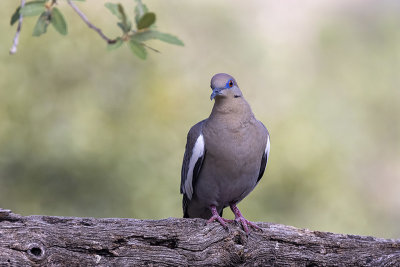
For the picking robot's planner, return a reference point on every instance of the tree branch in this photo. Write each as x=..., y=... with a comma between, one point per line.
x=85, y=19
x=48, y=240
x=14, y=47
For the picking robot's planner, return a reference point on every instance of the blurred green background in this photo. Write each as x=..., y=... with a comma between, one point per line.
x=86, y=132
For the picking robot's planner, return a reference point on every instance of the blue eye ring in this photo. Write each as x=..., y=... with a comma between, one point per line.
x=229, y=84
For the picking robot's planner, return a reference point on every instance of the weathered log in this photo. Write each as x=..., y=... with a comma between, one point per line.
x=64, y=241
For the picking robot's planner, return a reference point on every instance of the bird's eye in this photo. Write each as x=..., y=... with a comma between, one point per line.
x=230, y=83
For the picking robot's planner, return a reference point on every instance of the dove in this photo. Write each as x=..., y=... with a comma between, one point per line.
x=225, y=156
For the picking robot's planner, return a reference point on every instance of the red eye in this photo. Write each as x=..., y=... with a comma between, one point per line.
x=230, y=83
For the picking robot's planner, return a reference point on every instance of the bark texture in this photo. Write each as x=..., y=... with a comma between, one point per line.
x=63, y=241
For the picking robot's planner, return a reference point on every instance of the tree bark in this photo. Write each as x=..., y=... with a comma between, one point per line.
x=64, y=241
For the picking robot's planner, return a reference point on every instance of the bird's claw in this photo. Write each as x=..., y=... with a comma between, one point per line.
x=216, y=217
x=241, y=220
x=246, y=223
x=221, y=220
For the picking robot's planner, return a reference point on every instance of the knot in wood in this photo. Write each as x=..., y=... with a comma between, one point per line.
x=36, y=252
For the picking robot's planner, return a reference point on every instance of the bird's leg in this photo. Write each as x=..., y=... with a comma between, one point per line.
x=215, y=217
x=240, y=219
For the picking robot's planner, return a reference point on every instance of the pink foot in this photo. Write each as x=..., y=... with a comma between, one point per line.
x=241, y=220
x=218, y=218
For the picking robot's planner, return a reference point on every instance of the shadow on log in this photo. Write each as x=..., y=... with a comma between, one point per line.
x=64, y=241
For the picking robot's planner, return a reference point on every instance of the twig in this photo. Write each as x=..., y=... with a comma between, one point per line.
x=151, y=48
x=14, y=47
x=85, y=19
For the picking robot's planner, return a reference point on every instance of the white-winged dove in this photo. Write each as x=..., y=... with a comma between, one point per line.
x=225, y=156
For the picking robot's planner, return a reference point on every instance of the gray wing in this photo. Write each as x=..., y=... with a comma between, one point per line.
x=264, y=159
x=192, y=161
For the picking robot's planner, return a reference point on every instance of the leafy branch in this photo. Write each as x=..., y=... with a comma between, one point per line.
x=47, y=14
x=85, y=19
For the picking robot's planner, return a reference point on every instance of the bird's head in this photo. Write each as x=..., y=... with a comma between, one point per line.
x=224, y=86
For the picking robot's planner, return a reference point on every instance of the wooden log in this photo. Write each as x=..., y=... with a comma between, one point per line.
x=65, y=241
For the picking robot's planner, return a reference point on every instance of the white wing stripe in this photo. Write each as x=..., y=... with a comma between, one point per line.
x=267, y=148
x=197, y=152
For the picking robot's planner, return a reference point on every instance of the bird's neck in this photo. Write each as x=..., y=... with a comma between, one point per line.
x=231, y=110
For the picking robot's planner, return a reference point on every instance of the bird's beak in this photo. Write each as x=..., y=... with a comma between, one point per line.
x=216, y=91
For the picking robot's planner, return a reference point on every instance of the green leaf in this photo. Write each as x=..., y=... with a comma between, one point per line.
x=140, y=10
x=126, y=24
x=58, y=21
x=168, y=38
x=143, y=36
x=150, y=34
x=121, y=26
x=114, y=9
x=115, y=45
x=33, y=8
x=41, y=24
x=15, y=16
x=118, y=10
x=138, y=49
x=124, y=28
x=146, y=20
